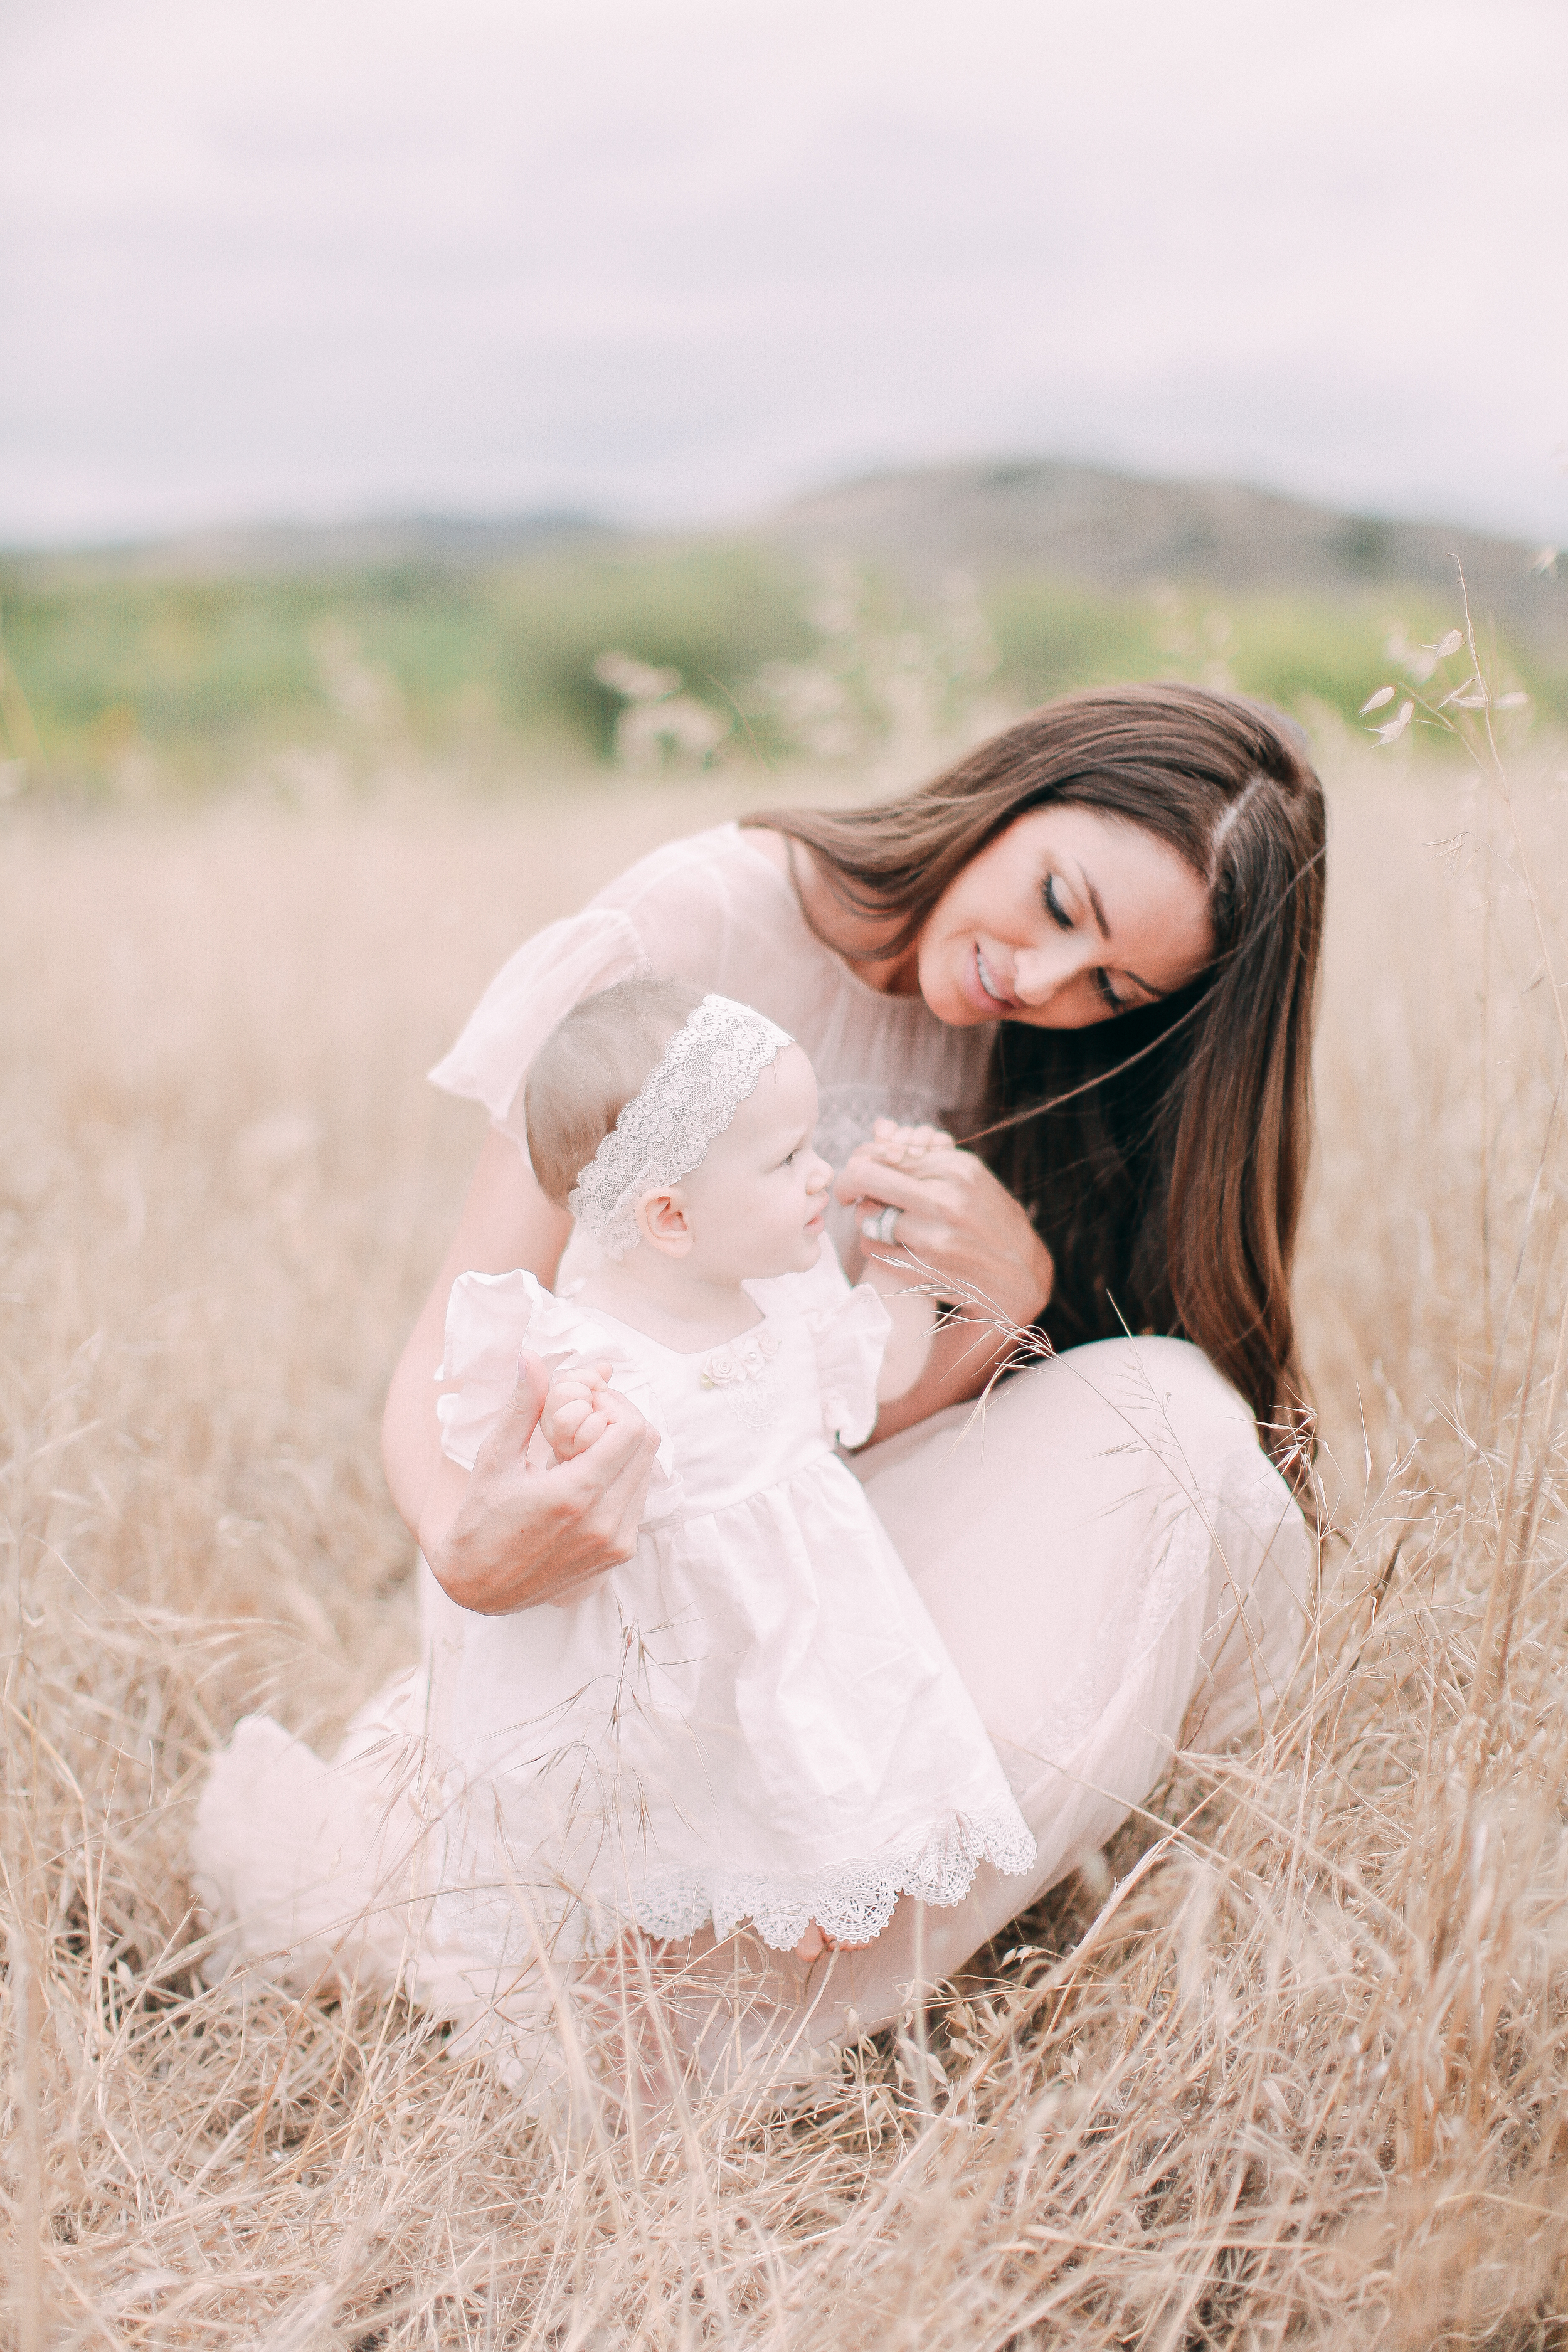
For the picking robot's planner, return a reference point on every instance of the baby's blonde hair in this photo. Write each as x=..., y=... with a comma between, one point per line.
x=588, y=1069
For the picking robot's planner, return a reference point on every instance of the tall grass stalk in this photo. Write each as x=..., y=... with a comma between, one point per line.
x=1291, y=2065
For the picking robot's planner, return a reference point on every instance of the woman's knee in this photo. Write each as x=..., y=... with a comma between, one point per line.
x=1161, y=1391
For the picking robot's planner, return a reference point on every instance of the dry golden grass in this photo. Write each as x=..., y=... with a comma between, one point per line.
x=1298, y=2073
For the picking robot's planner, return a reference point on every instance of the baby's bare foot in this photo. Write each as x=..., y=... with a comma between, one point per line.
x=816, y=1941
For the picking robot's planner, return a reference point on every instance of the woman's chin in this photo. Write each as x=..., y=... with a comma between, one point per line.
x=957, y=997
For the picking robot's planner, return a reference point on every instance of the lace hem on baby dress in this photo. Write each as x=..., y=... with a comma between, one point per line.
x=852, y=1902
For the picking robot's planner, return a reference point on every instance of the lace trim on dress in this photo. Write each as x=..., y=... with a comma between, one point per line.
x=853, y=1902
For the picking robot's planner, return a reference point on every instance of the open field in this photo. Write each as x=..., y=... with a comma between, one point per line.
x=1294, y=2069
x=818, y=632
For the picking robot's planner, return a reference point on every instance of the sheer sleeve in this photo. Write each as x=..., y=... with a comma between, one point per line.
x=688, y=911
x=532, y=991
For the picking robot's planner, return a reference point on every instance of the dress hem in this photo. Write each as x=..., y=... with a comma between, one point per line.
x=852, y=1902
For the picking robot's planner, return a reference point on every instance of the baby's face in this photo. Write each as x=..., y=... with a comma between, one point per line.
x=756, y=1204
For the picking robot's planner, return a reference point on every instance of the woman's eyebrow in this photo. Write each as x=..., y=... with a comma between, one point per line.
x=1098, y=903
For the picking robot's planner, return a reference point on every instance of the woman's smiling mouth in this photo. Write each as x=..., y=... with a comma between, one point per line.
x=988, y=982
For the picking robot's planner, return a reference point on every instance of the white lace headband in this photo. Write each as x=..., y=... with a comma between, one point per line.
x=707, y=1071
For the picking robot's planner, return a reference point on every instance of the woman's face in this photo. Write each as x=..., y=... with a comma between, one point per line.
x=1067, y=917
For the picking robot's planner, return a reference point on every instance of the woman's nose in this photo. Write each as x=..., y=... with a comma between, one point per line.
x=1038, y=972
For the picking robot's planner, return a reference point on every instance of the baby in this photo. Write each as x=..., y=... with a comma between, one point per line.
x=753, y=1208
x=754, y=1718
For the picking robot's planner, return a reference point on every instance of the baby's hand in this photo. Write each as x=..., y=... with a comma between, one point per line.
x=906, y=1147
x=573, y=1416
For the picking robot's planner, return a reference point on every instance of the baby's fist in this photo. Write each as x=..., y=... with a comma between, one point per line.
x=574, y=1415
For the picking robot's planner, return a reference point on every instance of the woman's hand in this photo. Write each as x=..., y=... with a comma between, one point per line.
x=509, y=1534
x=957, y=1224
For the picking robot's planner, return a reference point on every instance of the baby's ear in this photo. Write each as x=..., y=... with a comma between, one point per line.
x=662, y=1221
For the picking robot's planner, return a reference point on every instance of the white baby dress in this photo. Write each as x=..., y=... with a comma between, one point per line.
x=752, y=1719
x=755, y=1717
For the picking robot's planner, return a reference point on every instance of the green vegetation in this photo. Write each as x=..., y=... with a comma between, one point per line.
x=1293, y=651
x=201, y=677
x=203, y=672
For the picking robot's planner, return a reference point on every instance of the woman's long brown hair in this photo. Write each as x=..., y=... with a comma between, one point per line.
x=1161, y=1156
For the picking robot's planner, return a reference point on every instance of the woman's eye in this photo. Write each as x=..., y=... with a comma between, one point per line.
x=1102, y=981
x=1054, y=908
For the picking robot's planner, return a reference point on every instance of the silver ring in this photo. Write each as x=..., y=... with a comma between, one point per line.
x=879, y=1228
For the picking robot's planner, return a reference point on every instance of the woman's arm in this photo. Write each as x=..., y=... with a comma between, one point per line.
x=506, y=1535
x=964, y=1356
x=506, y=1222
x=912, y=1312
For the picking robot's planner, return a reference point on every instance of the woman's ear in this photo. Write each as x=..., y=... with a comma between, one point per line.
x=662, y=1223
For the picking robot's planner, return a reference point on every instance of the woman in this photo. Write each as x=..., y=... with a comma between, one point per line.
x=1089, y=951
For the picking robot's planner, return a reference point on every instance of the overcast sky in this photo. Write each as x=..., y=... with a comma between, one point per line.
x=673, y=259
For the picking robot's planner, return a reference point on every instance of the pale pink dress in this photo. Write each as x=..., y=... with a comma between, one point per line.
x=714, y=910
x=1112, y=1562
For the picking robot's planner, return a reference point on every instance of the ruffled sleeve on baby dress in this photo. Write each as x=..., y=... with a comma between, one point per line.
x=850, y=1330
x=489, y=1319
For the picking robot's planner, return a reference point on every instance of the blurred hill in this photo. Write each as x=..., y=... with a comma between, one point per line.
x=905, y=610
x=1082, y=523
x=1115, y=531
x=282, y=551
